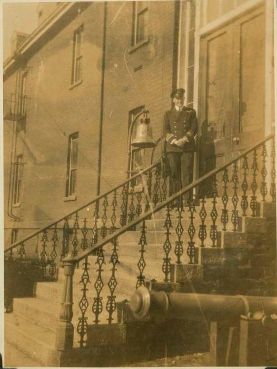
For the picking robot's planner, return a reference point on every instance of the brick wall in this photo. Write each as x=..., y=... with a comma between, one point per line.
x=56, y=110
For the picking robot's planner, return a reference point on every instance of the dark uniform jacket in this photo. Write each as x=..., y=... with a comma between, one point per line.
x=178, y=124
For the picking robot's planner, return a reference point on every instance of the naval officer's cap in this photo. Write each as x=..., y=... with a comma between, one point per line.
x=178, y=92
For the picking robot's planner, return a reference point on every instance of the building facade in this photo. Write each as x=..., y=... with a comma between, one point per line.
x=73, y=86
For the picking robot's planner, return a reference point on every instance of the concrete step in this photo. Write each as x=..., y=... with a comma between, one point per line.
x=44, y=312
x=34, y=341
x=268, y=209
x=15, y=358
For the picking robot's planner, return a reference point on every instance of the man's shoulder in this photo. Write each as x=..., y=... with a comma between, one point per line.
x=189, y=110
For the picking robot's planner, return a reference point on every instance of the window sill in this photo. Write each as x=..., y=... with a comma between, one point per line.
x=138, y=45
x=73, y=85
x=70, y=198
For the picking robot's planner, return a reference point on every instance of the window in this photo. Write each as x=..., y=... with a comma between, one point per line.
x=14, y=235
x=77, y=56
x=140, y=22
x=18, y=178
x=72, y=163
x=137, y=154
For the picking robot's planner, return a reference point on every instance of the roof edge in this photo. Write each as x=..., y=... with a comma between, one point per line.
x=37, y=34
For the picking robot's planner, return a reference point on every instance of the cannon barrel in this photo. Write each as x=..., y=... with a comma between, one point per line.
x=196, y=306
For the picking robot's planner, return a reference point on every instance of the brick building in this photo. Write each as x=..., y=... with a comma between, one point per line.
x=72, y=87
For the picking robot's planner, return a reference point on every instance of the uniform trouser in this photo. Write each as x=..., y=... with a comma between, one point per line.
x=181, y=171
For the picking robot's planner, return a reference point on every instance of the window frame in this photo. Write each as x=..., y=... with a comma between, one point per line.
x=70, y=190
x=136, y=41
x=77, y=57
x=134, y=150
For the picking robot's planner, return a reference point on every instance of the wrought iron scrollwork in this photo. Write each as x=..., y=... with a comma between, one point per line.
x=97, y=306
x=244, y=186
x=53, y=254
x=111, y=302
x=82, y=326
x=141, y=263
x=225, y=198
x=132, y=209
x=254, y=186
x=167, y=245
x=75, y=240
x=191, y=251
x=124, y=204
x=104, y=218
x=263, y=188
x=84, y=241
x=273, y=173
x=202, y=234
x=179, y=250
x=21, y=250
x=214, y=214
x=43, y=253
x=113, y=216
x=157, y=186
x=235, y=198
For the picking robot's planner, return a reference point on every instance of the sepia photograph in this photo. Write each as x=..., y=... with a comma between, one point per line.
x=139, y=183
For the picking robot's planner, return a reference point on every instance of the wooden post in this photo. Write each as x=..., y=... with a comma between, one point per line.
x=65, y=329
x=253, y=343
x=223, y=344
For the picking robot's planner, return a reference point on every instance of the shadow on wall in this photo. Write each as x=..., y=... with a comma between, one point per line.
x=207, y=158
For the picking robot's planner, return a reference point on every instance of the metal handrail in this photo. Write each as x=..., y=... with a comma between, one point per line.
x=88, y=251
x=140, y=173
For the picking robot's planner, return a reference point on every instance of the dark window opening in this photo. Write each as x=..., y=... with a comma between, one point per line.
x=72, y=164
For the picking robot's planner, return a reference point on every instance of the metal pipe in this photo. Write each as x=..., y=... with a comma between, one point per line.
x=101, y=119
x=196, y=306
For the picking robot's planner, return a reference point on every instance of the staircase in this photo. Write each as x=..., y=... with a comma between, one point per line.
x=211, y=245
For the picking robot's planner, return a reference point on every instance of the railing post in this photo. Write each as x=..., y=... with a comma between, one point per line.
x=65, y=329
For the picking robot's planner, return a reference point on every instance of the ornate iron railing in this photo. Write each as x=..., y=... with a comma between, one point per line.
x=106, y=269
x=84, y=227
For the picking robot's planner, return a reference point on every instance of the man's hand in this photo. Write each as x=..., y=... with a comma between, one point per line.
x=177, y=143
x=182, y=141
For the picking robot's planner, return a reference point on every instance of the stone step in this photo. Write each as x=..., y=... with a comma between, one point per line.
x=262, y=260
x=268, y=209
x=15, y=358
x=34, y=341
x=44, y=312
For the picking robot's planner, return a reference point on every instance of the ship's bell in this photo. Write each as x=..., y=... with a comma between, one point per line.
x=144, y=137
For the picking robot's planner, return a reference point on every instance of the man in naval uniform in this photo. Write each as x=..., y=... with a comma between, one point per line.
x=180, y=128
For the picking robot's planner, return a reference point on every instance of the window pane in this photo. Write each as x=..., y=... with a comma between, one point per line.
x=78, y=69
x=74, y=153
x=73, y=179
x=141, y=27
x=78, y=44
x=252, y=64
x=77, y=56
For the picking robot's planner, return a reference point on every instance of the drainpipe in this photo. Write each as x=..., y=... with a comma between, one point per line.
x=12, y=157
x=102, y=102
x=176, y=45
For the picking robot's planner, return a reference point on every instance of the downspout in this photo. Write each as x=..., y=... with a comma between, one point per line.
x=12, y=159
x=100, y=140
x=176, y=45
